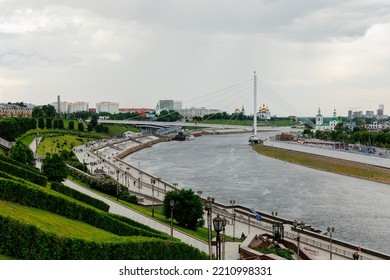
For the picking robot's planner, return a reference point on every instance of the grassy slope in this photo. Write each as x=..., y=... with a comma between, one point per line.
x=344, y=167
x=55, y=223
x=201, y=233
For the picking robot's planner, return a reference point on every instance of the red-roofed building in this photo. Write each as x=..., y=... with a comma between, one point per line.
x=139, y=111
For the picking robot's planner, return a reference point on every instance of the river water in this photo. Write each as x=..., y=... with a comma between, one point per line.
x=226, y=167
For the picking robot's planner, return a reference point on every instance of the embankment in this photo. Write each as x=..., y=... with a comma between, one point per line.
x=339, y=166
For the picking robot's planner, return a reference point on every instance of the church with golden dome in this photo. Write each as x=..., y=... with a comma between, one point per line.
x=264, y=113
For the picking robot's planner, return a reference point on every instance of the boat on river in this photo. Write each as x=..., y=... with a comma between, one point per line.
x=183, y=136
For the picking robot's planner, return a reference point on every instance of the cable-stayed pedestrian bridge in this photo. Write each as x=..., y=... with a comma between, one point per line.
x=173, y=126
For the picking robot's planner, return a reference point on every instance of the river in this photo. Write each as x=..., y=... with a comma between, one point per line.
x=226, y=167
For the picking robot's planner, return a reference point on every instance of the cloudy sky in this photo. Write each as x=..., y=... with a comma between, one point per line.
x=333, y=53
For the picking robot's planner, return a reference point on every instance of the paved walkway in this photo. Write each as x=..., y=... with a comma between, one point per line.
x=346, y=155
x=119, y=209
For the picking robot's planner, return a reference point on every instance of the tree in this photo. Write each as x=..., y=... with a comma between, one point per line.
x=71, y=125
x=49, y=111
x=60, y=124
x=94, y=121
x=169, y=116
x=41, y=123
x=54, y=168
x=22, y=153
x=187, y=210
x=80, y=127
x=49, y=123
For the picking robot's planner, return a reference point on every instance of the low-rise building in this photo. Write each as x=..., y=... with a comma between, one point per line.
x=192, y=112
x=12, y=110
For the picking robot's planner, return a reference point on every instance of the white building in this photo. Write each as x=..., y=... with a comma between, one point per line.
x=78, y=107
x=177, y=105
x=376, y=127
x=192, y=112
x=63, y=106
x=321, y=125
x=107, y=107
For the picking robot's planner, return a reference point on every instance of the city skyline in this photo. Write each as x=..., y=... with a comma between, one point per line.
x=332, y=55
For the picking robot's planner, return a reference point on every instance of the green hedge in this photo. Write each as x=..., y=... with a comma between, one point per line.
x=17, y=179
x=17, y=163
x=25, y=241
x=133, y=223
x=19, y=171
x=42, y=199
x=105, y=185
x=61, y=188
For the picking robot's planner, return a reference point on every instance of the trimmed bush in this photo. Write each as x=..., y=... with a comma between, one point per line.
x=133, y=223
x=24, y=241
x=42, y=199
x=19, y=171
x=17, y=163
x=61, y=188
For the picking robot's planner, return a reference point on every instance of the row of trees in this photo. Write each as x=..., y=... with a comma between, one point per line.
x=12, y=128
x=356, y=136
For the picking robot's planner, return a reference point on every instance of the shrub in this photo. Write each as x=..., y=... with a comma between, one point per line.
x=61, y=188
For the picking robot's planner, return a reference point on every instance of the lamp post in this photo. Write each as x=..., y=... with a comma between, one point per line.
x=117, y=186
x=218, y=225
x=330, y=230
x=232, y=202
x=274, y=214
x=234, y=226
x=127, y=177
x=171, y=203
x=209, y=208
x=153, y=182
x=301, y=225
x=224, y=223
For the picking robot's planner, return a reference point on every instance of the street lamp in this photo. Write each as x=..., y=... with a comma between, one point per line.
x=209, y=208
x=127, y=177
x=218, y=226
x=234, y=226
x=232, y=202
x=301, y=225
x=117, y=187
x=224, y=223
x=330, y=230
x=153, y=182
x=171, y=203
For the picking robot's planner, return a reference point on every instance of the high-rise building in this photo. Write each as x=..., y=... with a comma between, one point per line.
x=61, y=107
x=381, y=110
x=177, y=105
x=107, y=107
x=166, y=104
x=350, y=114
x=78, y=107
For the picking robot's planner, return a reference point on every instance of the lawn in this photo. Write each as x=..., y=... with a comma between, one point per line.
x=56, y=224
x=54, y=144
